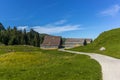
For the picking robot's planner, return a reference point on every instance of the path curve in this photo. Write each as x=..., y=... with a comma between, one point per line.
x=110, y=66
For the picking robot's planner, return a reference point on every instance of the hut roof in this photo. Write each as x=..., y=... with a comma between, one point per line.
x=51, y=41
x=74, y=40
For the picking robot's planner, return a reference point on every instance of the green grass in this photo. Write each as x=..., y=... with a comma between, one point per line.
x=20, y=48
x=108, y=39
x=30, y=63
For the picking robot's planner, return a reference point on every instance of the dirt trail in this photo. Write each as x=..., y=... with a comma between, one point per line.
x=110, y=66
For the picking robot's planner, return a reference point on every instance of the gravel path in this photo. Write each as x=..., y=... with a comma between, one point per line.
x=110, y=66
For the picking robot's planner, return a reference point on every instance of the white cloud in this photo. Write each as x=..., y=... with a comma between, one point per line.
x=52, y=28
x=112, y=11
x=22, y=27
x=60, y=22
x=56, y=29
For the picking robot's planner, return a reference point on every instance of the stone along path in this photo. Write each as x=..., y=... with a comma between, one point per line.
x=110, y=66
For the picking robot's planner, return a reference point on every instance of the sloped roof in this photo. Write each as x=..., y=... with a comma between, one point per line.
x=74, y=40
x=51, y=41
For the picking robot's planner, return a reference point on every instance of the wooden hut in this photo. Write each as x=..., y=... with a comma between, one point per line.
x=51, y=42
x=74, y=42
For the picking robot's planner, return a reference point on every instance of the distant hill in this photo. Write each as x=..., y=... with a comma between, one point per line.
x=108, y=39
x=1, y=27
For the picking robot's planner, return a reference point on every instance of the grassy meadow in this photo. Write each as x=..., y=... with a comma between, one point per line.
x=108, y=39
x=31, y=63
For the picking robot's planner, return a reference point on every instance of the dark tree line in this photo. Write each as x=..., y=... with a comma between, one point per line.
x=12, y=36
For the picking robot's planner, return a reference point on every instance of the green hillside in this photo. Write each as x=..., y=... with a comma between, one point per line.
x=108, y=39
x=31, y=63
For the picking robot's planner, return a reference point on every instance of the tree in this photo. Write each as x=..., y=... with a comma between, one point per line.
x=12, y=36
x=1, y=27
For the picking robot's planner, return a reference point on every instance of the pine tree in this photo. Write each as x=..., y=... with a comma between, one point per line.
x=12, y=36
x=1, y=27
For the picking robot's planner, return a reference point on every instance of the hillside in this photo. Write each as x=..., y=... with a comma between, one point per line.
x=108, y=39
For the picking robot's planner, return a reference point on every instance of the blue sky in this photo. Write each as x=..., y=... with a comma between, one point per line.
x=66, y=18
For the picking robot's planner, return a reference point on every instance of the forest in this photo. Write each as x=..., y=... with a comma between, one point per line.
x=13, y=36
